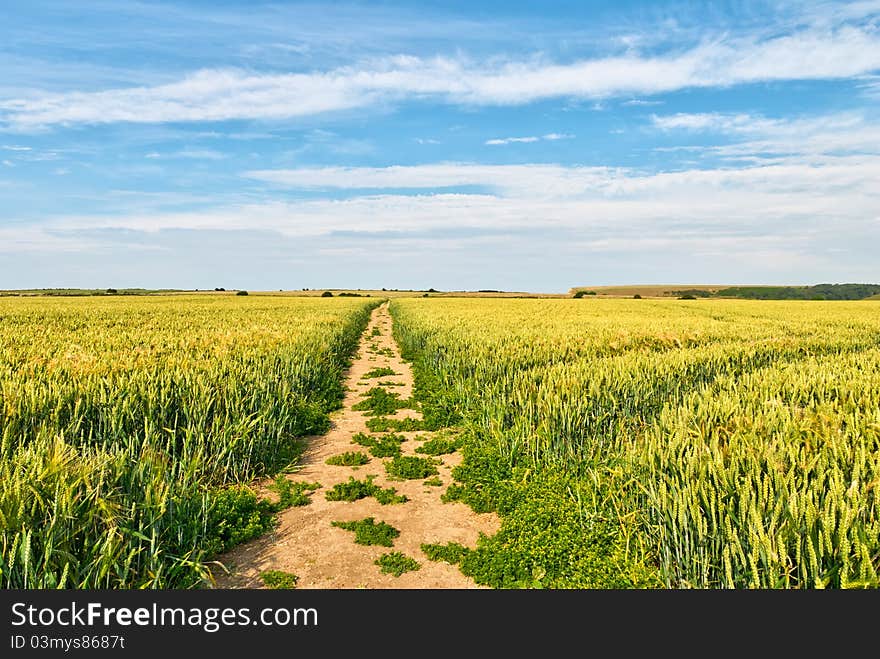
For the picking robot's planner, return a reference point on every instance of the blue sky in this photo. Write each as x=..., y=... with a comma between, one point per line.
x=454, y=145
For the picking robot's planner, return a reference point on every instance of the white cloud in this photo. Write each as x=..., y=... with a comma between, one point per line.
x=214, y=95
x=194, y=154
x=12, y=147
x=527, y=140
x=833, y=199
x=512, y=180
x=641, y=102
x=9, y=163
x=41, y=239
x=423, y=140
x=848, y=132
x=511, y=140
x=750, y=124
x=701, y=121
x=199, y=154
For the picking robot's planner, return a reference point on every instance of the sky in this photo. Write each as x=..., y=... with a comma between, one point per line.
x=452, y=145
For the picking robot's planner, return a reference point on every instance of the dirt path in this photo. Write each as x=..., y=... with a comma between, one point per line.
x=323, y=556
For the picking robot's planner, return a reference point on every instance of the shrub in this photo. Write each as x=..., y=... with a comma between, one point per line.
x=326, y=294
x=242, y=293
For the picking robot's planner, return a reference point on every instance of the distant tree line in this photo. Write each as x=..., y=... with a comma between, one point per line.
x=817, y=292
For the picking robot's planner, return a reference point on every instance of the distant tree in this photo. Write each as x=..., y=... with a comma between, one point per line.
x=431, y=290
x=579, y=294
x=242, y=293
x=687, y=296
x=326, y=294
x=637, y=297
x=112, y=291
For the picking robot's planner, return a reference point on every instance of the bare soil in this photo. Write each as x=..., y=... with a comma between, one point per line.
x=323, y=556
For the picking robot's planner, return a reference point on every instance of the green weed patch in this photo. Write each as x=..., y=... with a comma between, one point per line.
x=411, y=468
x=279, y=580
x=353, y=490
x=369, y=532
x=348, y=459
x=396, y=563
x=451, y=552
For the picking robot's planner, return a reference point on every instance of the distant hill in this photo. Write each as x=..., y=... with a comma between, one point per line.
x=648, y=290
x=80, y=292
x=816, y=292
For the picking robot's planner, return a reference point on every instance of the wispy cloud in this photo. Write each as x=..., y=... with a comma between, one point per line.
x=193, y=154
x=513, y=180
x=560, y=183
x=529, y=139
x=847, y=132
x=511, y=140
x=641, y=102
x=792, y=219
x=12, y=147
x=213, y=95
